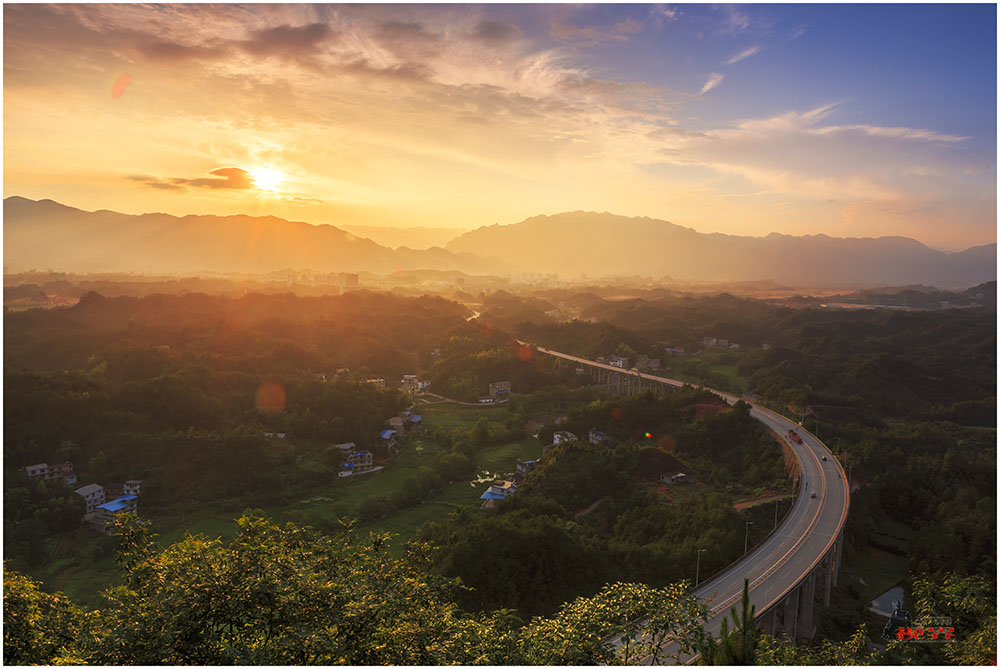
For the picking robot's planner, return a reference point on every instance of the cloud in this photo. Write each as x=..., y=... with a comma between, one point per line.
x=802, y=153
x=563, y=29
x=287, y=40
x=496, y=31
x=743, y=55
x=661, y=15
x=154, y=182
x=714, y=80
x=227, y=177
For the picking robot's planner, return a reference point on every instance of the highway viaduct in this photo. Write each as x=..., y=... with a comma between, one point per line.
x=792, y=572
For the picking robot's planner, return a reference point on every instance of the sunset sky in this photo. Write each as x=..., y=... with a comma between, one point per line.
x=849, y=120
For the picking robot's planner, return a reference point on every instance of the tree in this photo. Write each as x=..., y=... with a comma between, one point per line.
x=37, y=627
x=970, y=603
x=736, y=647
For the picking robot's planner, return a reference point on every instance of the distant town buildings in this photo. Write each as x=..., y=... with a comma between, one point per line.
x=63, y=473
x=378, y=383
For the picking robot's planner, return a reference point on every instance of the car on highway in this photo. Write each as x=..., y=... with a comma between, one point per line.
x=813, y=495
x=824, y=458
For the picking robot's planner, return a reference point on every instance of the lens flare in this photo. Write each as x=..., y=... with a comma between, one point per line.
x=525, y=354
x=616, y=413
x=270, y=398
x=649, y=436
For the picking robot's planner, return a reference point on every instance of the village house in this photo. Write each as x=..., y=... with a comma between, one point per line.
x=93, y=494
x=132, y=487
x=414, y=423
x=563, y=436
x=560, y=437
x=499, y=490
x=618, y=361
x=678, y=477
x=500, y=390
x=378, y=383
x=358, y=462
x=104, y=515
x=63, y=472
x=409, y=384
x=388, y=439
x=523, y=467
x=597, y=437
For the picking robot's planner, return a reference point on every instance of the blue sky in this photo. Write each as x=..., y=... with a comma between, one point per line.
x=848, y=120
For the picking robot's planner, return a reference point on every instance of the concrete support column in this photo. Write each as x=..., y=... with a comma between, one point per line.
x=830, y=576
x=836, y=559
x=807, y=601
x=795, y=614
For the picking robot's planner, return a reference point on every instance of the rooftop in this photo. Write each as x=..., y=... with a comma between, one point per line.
x=88, y=489
x=119, y=504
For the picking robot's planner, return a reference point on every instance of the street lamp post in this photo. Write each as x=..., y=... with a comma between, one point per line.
x=746, y=536
x=697, y=565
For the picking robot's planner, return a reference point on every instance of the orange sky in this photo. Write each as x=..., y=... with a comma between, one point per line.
x=461, y=116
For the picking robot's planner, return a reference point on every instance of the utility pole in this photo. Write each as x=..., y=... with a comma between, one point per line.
x=697, y=565
x=746, y=537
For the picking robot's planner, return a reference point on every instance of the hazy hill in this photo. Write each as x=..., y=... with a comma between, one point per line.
x=45, y=234
x=601, y=244
x=414, y=238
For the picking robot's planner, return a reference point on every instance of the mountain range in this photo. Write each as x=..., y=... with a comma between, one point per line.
x=44, y=234
x=600, y=244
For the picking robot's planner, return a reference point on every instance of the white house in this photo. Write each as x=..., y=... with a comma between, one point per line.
x=93, y=494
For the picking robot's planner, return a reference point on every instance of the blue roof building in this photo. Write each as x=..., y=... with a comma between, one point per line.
x=388, y=434
x=123, y=503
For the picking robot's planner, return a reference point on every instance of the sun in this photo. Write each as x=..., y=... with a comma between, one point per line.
x=266, y=178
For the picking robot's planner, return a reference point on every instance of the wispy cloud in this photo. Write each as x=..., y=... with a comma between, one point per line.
x=714, y=80
x=743, y=55
x=661, y=15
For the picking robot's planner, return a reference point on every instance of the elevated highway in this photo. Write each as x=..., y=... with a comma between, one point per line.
x=791, y=572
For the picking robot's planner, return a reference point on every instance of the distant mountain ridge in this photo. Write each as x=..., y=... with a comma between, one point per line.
x=603, y=244
x=44, y=234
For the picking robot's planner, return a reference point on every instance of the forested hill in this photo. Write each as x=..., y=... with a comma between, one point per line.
x=380, y=331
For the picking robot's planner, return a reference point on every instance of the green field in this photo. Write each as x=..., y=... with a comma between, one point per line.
x=81, y=570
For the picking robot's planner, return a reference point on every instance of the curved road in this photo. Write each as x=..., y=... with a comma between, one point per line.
x=804, y=537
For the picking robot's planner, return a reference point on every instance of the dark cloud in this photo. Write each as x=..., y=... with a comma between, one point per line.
x=286, y=40
x=408, y=30
x=232, y=177
x=227, y=177
x=495, y=31
x=154, y=182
